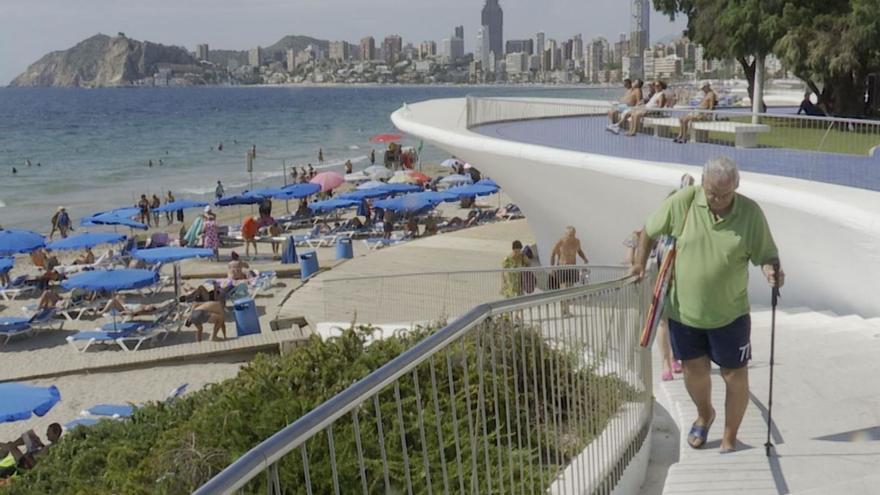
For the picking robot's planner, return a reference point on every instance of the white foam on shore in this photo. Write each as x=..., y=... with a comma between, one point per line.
x=2, y=204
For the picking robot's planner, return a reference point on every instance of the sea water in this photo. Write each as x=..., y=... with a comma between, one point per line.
x=94, y=146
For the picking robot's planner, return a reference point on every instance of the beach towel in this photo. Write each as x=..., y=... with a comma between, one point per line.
x=195, y=230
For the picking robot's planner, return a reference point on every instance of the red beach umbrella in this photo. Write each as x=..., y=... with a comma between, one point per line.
x=386, y=138
x=422, y=178
x=328, y=180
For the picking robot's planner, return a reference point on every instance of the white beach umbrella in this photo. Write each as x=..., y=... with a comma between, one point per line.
x=382, y=173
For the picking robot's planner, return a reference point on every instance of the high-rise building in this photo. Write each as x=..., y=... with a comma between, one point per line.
x=291, y=60
x=520, y=46
x=339, y=51
x=550, y=57
x=427, y=49
x=481, y=50
x=595, y=59
x=255, y=57
x=459, y=32
x=392, y=48
x=516, y=62
x=640, y=34
x=539, y=46
x=368, y=48
x=493, y=18
x=202, y=51
x=578, y=55
x=453, y=48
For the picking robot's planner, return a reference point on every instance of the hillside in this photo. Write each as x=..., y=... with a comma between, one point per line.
x=101, y=61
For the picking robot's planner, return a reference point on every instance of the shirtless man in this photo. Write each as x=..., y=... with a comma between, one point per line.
x=710, y=99
x=565, y=252
x=629, y=99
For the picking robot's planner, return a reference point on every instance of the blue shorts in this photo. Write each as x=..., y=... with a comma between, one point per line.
x=729, y=346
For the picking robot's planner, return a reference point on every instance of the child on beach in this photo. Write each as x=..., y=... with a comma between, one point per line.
x=249, y=232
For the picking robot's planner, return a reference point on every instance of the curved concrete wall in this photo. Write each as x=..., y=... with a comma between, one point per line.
x=828, y=235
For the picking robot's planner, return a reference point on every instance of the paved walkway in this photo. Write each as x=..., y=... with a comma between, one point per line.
x=826, y=413
x=588, y=134
x=467, y=249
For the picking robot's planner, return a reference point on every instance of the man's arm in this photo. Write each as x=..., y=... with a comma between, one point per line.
x=646, y=244
x=581, y=253
x=555, y=254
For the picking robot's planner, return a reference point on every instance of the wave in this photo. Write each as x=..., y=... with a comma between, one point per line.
x=354, y=147
x=2, y=204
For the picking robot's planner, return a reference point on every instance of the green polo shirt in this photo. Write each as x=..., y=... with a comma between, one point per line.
x=711, y=277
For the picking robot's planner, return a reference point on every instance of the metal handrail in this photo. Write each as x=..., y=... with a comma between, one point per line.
x=525, y=269
x=268, y=452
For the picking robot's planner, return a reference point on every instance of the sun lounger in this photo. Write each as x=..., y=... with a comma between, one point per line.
x=11, y=327
x=129, y=336
x=374, y=243
x=116, y=411
x=78, y=303
x=18, y=287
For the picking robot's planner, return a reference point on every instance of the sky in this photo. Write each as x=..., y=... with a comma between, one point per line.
x=31, y=28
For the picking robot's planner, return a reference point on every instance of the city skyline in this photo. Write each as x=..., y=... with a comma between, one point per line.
x=53, y=25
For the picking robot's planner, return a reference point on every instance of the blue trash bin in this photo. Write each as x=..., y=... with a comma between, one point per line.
x=308, y=264
x=288, y=256
x=246, y=320
x=344, y=250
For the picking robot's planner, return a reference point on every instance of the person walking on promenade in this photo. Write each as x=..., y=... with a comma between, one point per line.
x=565, y=252
x=718, y=233
x=218, y=192
x=512, y=285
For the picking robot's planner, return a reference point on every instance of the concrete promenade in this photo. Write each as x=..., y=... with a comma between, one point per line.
x=826, y=413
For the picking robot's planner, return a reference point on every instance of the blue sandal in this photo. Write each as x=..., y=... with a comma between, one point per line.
x=699, y=433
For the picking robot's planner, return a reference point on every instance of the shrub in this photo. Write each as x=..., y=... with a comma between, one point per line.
x=503, y=376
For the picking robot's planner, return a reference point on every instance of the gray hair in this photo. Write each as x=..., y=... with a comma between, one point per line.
x=722, y=169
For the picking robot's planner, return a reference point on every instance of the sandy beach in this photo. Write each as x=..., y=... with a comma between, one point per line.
x=144, y=381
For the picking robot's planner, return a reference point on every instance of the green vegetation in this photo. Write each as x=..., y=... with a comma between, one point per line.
x=854, y=139
x=173, y=448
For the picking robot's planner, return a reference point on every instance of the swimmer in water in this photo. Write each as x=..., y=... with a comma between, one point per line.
x=14, y=171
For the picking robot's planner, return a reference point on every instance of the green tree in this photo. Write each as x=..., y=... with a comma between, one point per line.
x=833, y=46
x=743, y=30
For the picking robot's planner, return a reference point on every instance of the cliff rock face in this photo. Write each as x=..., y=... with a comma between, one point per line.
x=101, y=61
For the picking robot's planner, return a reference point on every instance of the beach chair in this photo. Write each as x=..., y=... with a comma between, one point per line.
x=18, y=287
x=115, y=411
x=78, y=303
x=130, y=335
x=11, y=327
x=374, y=243
x=261, y=283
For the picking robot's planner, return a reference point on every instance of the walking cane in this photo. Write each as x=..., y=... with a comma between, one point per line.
x=774, y=298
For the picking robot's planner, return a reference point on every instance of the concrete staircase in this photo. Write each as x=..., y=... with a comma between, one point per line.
x=825, y=384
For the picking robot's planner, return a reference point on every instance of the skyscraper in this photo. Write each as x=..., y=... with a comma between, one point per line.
x=368, y=48
x=539, y=46
x=493, y=18
x=202, y=51
x=255, y=57
x=391, y=48
x=481, y=50
x=459, y=32
x=640, y=34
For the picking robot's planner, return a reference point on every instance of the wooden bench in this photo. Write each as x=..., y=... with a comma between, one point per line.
x=746, y=135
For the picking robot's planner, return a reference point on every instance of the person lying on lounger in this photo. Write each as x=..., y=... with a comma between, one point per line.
x=117, y=304
x=87, y=258
x=12, y=459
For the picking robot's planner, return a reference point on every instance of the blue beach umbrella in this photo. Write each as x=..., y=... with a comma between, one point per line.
x=85, y=240
x=120, y=216
x=332, y=204
x=454, y=179
x=15, y=241
x=183, y=204
x=171, y=254
x=241, y=199
x=302, y=189
x=6, y=264
x=411, y=203
x=486, y=182
x=263, y=193
x=472, y=190
x=401, y=188
x=112, y=280
x=363, y=194
x=439, y=197
x=372, y=184
x=20, y=401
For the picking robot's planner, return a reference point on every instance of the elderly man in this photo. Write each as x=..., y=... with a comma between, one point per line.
x=718, y=233
x=707, y=104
